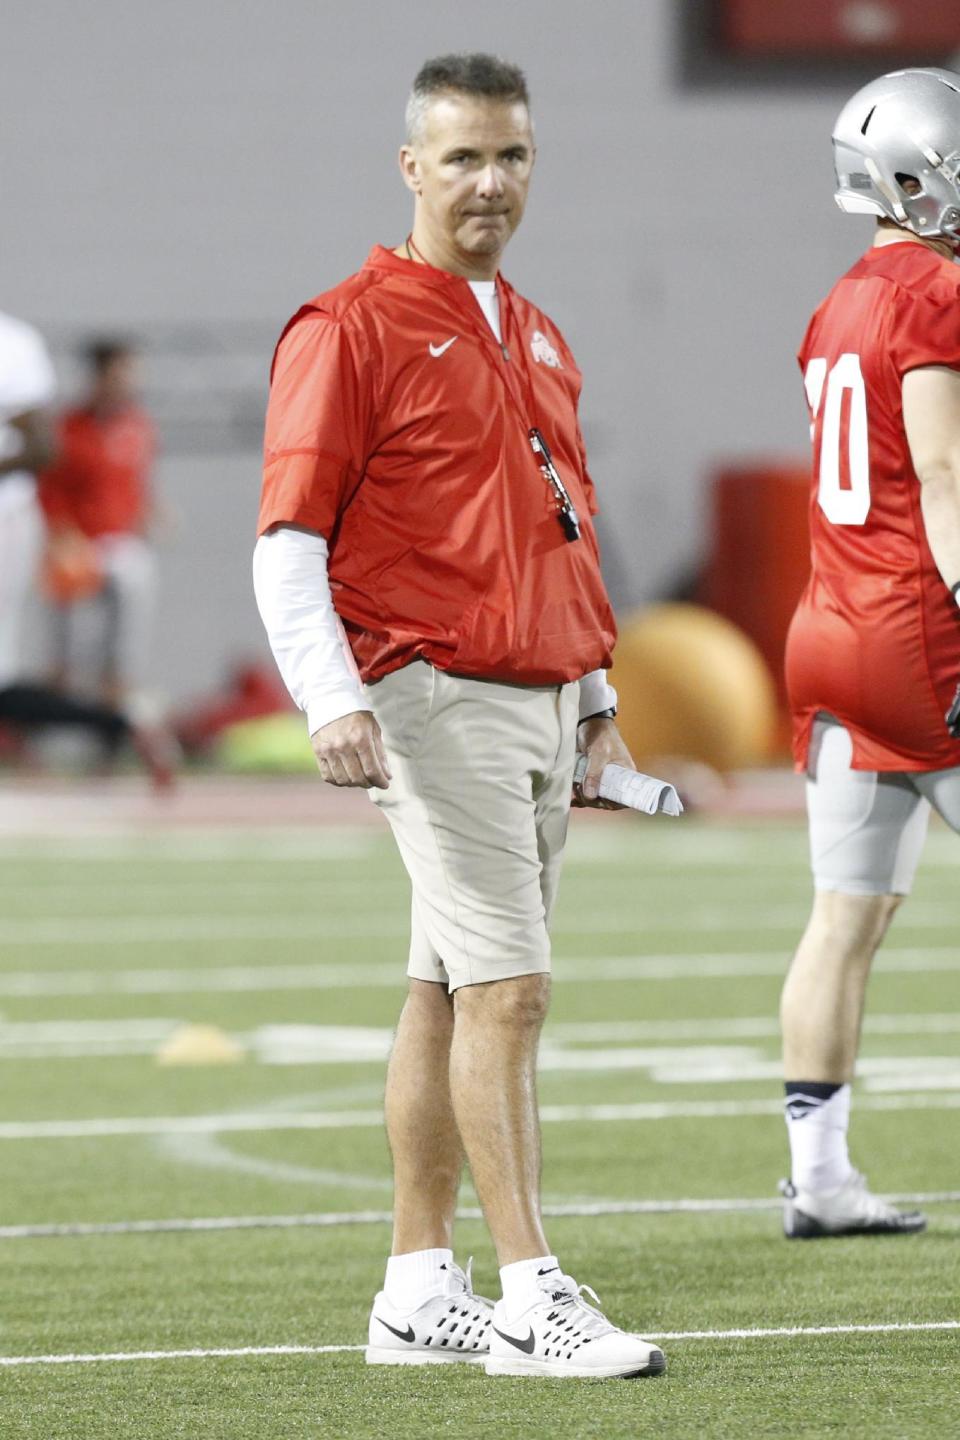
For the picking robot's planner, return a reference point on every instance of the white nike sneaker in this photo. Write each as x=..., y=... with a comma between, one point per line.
x=451, y=1326
x=563, y=1336
x=851, y=1210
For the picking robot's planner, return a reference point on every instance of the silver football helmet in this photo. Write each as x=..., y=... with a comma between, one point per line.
x=896, y=149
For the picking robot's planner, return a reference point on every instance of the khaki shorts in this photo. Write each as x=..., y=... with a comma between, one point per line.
x=478, y=804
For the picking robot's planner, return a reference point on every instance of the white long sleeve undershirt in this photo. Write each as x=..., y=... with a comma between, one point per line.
x=305, y=632
x=307, y=638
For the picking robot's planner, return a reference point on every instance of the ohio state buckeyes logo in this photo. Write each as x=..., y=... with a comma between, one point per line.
x=543, y=352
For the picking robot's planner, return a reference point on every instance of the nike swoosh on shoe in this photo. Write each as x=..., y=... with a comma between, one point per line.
x=407, y=1334
x=526, y=1346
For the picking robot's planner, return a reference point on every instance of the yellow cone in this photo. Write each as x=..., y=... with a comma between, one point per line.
x=199, y=1045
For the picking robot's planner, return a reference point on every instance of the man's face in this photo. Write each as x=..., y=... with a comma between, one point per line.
x=470, y=168
x=117, y=384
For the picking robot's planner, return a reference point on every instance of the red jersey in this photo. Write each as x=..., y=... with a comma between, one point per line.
x=875, y=640
x=100, y=481
x=398, y=428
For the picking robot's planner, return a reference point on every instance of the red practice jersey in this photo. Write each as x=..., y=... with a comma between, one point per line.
x=399, y=429
x=100, y=480
x=875, y=640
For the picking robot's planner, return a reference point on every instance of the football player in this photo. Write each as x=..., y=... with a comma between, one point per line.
x=97, y=499
x=873, y=655
x=26, y=391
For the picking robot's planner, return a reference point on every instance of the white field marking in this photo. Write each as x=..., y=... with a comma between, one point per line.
x=315, y=1044
x=386, y=974
x=72, y=1038
x=258, y=1351
x=666, y=1065
x=320, y=1044
x=689, y=1064
x=726, y=846
x=920, y=1079
x=747, y=1027
x=214, y=1151
x=365, y=1119
x=193, y=844
x=792, y=882
x=893, y=1328
x=761, y=845
x=164, y=929
x=770, y=846
x=77, y=1039
x=218, y=979
x=210, y=1152
x=332, y=1219
x=127, y=930
x=321, y=892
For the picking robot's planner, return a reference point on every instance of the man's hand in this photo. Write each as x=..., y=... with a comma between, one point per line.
x=350, y=751
x=602, y=743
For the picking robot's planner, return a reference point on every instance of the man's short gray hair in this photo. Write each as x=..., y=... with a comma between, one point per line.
x=486, y=76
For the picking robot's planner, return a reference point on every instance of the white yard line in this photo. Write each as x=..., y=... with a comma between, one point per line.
x=212, y=844
x=76, y=930
x=244, y=1352
x=217, y=979
x=333, y=1219
x=674, y=1051
x=743, y=1027
x=220, y=979
x=261, y=1351
x=362, y=1119
x=725, y=847
x=893, y=1328
x=772, y=845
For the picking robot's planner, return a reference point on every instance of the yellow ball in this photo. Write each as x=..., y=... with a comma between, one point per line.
x=692, y=684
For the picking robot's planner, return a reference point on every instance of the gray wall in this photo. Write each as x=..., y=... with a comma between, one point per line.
x=208, y=164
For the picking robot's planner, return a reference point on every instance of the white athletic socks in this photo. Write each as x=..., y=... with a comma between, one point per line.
x=520, y=1282
x=818, y=1116
x=414, y=1278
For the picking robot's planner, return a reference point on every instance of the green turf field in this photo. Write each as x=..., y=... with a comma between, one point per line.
x=659, y=1087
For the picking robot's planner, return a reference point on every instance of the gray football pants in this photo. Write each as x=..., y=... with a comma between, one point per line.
x=867, y=828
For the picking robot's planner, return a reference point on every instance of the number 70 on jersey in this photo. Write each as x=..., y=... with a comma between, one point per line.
x=844, y=481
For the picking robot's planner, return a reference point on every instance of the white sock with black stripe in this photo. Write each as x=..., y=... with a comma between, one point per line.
x=818, y=1116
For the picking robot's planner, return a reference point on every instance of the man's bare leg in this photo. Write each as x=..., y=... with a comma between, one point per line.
x=426, y=1149
x=821, y=1008
x=821, y=1013
x=493, y=1084
x=423, y=1288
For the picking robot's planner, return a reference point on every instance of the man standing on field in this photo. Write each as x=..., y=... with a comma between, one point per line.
x=424, y=464
x=873, y=656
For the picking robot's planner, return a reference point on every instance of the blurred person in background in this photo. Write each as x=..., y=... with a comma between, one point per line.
x=455, y=668
x=27, y=387
x=100, y=569
x=873, y=655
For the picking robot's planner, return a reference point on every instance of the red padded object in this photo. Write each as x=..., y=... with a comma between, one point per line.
x=759, y=556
